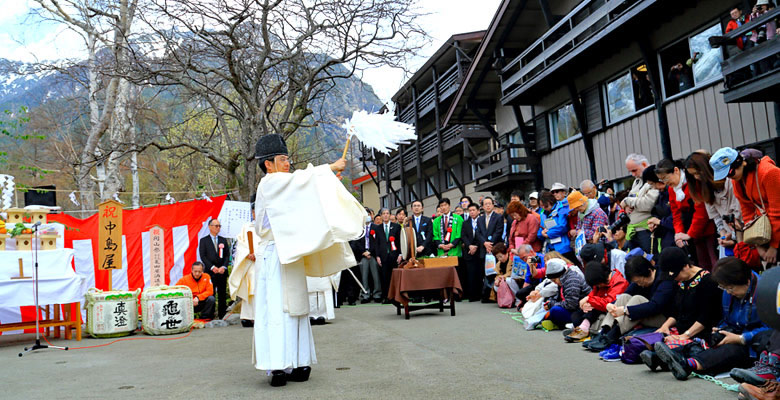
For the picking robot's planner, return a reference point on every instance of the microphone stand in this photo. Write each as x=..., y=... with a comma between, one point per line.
x=38, y=345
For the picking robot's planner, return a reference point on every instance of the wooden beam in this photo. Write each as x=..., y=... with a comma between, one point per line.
x=587, y=140
x=528, y=137
x=437, y=120
x=483, y=119
x=499, y=44
x=457, y=181
x=548, y=15
x=654, y=74
x=417, y=150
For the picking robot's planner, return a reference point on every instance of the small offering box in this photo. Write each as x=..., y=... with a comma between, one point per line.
x=436, y=262
x=24, y=241
x=49, y=241
x=31, y=216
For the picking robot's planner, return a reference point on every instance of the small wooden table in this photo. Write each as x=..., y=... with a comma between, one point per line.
x=69, y=320
x=444, y=279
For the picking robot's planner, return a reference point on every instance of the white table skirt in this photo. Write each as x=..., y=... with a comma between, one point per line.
x=58, y=283
x=51, y=263
x=64, y=290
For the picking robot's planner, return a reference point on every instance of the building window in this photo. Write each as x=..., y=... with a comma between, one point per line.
x=691, y=62
x=563, y=125
x=628, y=93
x=450, y=179
x=473, y=171
x=429, y=188
x=384, y=202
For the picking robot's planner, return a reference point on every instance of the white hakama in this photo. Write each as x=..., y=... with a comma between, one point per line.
x=321, y=296
x=281, y=341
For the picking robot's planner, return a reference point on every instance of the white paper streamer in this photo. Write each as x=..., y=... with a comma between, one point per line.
x=73, y=200
x=169, y=199
x=204, y=196
x=8, y=188
x=380, y=132
x=116, y=198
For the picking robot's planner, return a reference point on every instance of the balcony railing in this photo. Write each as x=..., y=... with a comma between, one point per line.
x=570, y=33
x=426, y=100
x=429, y=146
x=751, y=75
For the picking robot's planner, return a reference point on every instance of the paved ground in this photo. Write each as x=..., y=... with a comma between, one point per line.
x=367, y=352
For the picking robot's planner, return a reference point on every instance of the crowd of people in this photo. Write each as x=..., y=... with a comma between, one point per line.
x=674, y=260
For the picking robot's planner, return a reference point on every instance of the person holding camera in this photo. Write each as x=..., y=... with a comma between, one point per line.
x=730, y=342
x=755, y=180
x=661, y=222
x=692, y=225
x=695, y=310
x=640, y=201
x=591, y=216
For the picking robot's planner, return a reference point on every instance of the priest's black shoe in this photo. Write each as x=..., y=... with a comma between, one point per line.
x=247, y=323
x=278, y=378
x=300, y=374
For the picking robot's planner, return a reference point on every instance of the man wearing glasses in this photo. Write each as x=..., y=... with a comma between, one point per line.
x=214, y=252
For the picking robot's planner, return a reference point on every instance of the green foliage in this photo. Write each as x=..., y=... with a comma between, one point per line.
x=12, y=129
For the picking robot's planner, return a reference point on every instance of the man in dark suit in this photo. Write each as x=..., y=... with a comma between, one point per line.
x=492, y=225
x=423, y=227
x=365, y=255
x=215, y=254
x=473, y=238
x=387, y=249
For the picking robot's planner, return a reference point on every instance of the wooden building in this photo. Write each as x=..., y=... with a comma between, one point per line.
x=439, y=163
x=569, y=88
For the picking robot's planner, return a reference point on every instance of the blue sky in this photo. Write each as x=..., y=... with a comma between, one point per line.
x=27, y=38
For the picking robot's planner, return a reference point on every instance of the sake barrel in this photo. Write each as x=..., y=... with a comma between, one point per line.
x=166, y=310
x=112, y=313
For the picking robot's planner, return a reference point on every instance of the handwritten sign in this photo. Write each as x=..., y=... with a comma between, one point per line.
x=233, y=216
x=157, y=255
x=110, y=235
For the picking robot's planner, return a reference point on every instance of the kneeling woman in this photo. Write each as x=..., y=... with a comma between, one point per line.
x=646, y=301
x=733, y=337
x=572, y=288
x=696, y=308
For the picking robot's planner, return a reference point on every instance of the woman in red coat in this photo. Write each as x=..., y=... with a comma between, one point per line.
x=691, y=222
x=756, y=179
x=525, y=225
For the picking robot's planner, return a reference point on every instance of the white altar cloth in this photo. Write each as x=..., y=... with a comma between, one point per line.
x=58, y=283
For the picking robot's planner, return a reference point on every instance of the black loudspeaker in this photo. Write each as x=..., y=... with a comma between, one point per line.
x=37, y=196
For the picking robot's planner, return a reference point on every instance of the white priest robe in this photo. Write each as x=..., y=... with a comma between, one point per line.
x=321, y=295
x=305, y=220
x=242, y=277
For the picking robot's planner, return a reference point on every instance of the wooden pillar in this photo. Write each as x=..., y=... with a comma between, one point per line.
x=418, y=153
x=529, y=150
x=548, y=15
x=439, y=144
x=587, y=140
x=459, y=61
x=654, y=73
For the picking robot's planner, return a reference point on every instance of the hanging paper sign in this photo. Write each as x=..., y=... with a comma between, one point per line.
x=157, y=255
x=110, y=235
x=233, y=217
